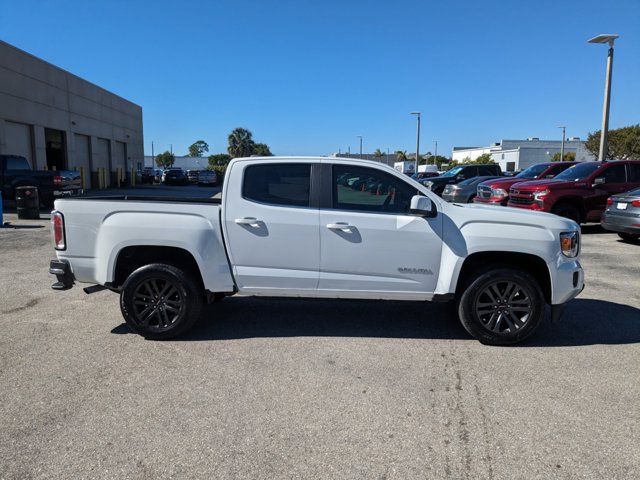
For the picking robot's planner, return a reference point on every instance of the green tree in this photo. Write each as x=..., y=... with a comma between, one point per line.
x=198, y=148
x=241, y=143
x=482, y=159
x=219, y=159
x=568, y=157
x=262, y=150
x=165, y=159
x=623, y=143
x=401, y=155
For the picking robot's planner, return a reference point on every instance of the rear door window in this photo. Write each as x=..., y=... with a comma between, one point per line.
x=614, y=174
x=287, y=184
x=16, y=163
x=634, y=172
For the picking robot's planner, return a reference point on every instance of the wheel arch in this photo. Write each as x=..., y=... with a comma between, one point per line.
x=132, y=257
x=528, y=262
x=575, y=201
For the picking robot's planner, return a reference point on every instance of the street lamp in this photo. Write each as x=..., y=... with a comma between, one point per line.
x=604, y=38
x=360, y=137
x=417, y=114
x=562, y=146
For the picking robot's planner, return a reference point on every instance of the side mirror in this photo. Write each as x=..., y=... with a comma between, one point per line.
x=460, y=177
x=422, y=206
x=599, y=181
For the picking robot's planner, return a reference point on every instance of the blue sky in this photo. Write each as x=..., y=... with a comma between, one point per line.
x=307, y=77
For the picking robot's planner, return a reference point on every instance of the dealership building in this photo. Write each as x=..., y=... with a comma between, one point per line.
x=515, y=155
x=59, y=121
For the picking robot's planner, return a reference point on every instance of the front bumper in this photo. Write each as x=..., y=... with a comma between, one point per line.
x=62, y=270
x=568, y=282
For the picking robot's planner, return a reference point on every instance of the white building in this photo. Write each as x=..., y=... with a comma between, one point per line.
x=514, y=155
x=59, y=121
x=185, y=163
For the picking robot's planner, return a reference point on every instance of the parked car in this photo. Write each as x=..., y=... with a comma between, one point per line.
x=424, y=175
x=192, y=176
x=15, y=171
x=622, y=215
x=174, y=176
x=208, y=177
x=147, y=175
x=496, y=192
x=580, y=192
x=465, y=191
x=460, y=173
x=290, y=227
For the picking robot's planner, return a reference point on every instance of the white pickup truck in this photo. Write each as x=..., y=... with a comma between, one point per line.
x=318, y=227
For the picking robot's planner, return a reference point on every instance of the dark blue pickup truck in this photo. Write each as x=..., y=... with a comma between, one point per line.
x=15, y=171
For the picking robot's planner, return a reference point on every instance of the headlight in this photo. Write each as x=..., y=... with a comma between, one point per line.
x=570, y=244
x=498, y=192
x=539, y=196
x=428, y=184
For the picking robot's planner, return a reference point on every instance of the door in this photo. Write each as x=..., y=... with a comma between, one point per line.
x=272, y=228
x=83, y=156
x=607, y=182
x=55, y=149
x=19, y=141
x=103, y=159
x=368, y=240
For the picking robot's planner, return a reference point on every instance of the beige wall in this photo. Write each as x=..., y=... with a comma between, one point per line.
x=40, y=95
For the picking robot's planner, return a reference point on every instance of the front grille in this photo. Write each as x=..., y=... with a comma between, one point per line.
x=484, y=191
x=521, y=200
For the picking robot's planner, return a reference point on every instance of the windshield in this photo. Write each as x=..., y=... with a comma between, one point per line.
x=578, y=172
x=533, y=171
x=453, y=172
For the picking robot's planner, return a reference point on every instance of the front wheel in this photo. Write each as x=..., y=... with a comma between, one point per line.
x=501, y=306
x=160, y=301
x=567, y=210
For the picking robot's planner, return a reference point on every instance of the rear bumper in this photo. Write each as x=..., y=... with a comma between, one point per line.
x=622, y=224
x=62, y=270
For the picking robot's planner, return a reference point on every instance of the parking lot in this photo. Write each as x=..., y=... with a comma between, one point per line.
x=286, y=388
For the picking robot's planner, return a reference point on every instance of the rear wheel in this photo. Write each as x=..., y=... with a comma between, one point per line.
x=501, y=306
x=567, y=210
x=629, y=237
x=160, y=301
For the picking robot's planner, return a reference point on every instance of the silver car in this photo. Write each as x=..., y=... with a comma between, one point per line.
x=623, y=215
x=207, y=177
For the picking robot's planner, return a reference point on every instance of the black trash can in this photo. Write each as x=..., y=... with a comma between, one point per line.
x=27, y=202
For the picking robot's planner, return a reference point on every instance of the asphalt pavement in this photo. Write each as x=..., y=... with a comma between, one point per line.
x=287, y=388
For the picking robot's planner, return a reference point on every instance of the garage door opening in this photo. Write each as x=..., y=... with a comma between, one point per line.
x=56, y=149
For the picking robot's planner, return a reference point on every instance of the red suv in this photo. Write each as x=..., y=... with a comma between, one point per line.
x=496, y=191
x=580, y=192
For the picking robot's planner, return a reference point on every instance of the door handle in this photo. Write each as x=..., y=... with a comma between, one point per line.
x=339, y=226
x=253, y=221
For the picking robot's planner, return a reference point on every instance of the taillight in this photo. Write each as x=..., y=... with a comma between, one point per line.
x=57, y=181
x=57, y=225
x=609, y=201
x=636, y=203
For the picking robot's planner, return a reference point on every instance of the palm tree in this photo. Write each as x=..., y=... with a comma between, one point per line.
x=240, y=143
x=378, y=153
x=401, y=155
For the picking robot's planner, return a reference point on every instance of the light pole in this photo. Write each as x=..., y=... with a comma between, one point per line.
x=360, y=137
x=604, y=38
x=435, y=155
x=417, y=114
x=562, y=145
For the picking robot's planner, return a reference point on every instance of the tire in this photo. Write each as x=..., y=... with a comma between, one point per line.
x=516, y=292
x=171, y=315
x=471, y=198
x=629, y=237
x=567, y=210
